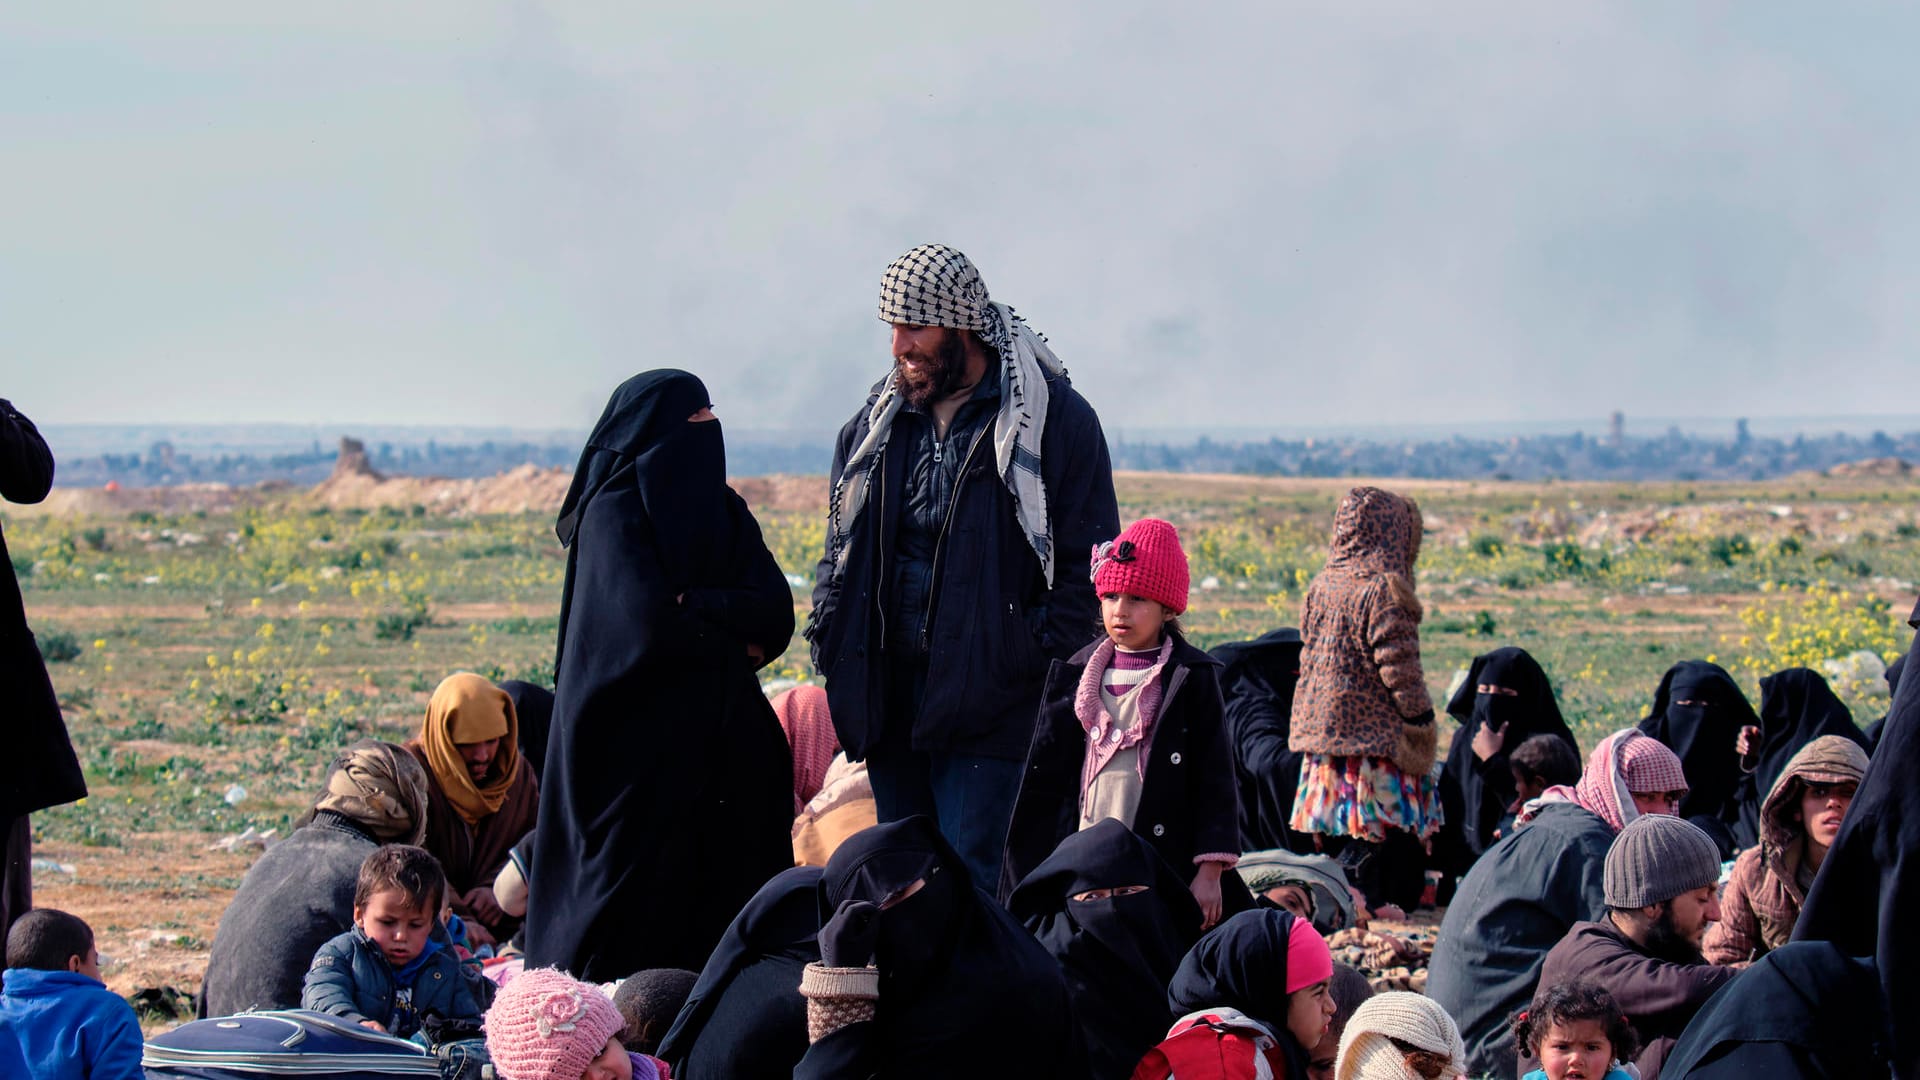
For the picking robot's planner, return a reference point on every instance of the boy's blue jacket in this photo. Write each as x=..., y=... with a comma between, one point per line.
x=351, y=978
x=70, y=1027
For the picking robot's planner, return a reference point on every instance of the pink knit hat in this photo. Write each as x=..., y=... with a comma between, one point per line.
x=1309, y=960
x=1145, y=560
x=547, y=1025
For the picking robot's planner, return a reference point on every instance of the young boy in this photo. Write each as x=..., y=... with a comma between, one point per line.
x=1541, y=762
x=388, y=973
x=69, y=1025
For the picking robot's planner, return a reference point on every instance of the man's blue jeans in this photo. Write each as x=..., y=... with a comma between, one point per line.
x=970, y=796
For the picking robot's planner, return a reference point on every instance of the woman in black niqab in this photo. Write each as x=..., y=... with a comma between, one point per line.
x=1697, y=713
x=1118, y=951
x=1796, y=707
x=533, y=707
x=666, y=796
x=959, y=977
x=1474, y=793
x=1868, y=888
x=1256, y=686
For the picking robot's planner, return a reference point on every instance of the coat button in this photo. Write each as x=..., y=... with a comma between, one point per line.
x=1114, y=736
x=1159, y=830
x=1174, y=757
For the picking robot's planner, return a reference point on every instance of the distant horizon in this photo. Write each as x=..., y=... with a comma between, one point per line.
x=87, y=439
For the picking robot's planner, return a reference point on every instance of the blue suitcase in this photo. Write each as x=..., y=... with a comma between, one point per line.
x=292, y=1043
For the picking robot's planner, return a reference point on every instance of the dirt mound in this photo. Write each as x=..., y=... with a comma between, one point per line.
x=516, y=491
x=1884, y=468
x=800, y=494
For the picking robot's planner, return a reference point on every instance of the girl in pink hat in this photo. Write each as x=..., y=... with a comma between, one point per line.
x=548, y=1025
x=1130, y=728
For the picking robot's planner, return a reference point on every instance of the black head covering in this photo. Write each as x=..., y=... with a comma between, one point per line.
x=956, y=971
x=663, y=758
x=1118, y=954
x=1256, y=686
x=1805, y=1009
x=1869, y=885
x=1242, y=964
x=1475, y=794
x=745, y=1015
x=533, y=705
x=1702, y=735
x=1796, y=707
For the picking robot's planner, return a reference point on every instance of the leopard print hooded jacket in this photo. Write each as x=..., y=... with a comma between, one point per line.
x=1360, y=676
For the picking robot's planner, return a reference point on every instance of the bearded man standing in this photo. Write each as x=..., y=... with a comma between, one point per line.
x=967, y=496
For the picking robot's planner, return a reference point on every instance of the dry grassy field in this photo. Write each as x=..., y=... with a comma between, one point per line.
x=211, y=654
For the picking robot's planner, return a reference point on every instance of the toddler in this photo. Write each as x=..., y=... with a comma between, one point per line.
x=1577, y=1032
x=388, y=973
x=547, y=1025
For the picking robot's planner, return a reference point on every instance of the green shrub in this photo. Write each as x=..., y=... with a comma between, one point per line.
x=59, y=646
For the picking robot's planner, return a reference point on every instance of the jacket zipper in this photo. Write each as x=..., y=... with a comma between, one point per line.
x=940, y=542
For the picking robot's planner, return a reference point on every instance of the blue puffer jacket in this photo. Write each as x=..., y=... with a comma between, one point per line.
x=68, y=1027
x=351, y=978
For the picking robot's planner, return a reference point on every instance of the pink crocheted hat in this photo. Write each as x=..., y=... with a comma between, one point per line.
x=1145, y=560
x=547, y=1025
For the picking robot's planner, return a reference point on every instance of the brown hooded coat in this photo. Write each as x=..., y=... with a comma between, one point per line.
x=1360, y=675
x=1763, y=896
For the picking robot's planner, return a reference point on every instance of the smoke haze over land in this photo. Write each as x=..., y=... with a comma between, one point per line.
x=1248, y=215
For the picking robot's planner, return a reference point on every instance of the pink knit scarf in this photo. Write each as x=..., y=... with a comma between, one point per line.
x=1103, y=739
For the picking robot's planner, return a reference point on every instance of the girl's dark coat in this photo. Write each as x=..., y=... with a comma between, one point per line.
x=1188, y=804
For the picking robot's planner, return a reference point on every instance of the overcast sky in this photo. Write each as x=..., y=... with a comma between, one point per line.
x=1254, y=214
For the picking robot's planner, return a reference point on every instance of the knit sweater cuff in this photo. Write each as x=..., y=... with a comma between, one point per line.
x=837, y=997
x=1227, y=859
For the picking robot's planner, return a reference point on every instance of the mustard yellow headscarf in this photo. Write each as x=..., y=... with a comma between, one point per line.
x=467, y=708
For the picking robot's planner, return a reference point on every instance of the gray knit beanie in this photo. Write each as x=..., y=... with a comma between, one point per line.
x=1656, y=858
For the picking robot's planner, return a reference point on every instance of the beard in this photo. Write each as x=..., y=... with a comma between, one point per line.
x=941, y=374
x=1666, y=942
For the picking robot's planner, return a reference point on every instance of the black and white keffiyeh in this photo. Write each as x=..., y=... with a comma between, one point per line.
x=934, y=285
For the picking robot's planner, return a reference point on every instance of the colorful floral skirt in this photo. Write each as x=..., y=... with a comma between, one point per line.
x=1363, y=797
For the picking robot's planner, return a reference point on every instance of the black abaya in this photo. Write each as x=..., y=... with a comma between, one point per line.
x=1868, y=889
x=1803, y=1010
x=745, y=1016
x=960, y=979
x=1879, y=727
x=1257, y=688
x=533, y=706
x=1703, y=736
x=666, y=799
x=1475, y=794
x=1117, y=953
x=1796, y=707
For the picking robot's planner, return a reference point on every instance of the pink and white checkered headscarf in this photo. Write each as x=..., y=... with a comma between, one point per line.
x=1624, y=762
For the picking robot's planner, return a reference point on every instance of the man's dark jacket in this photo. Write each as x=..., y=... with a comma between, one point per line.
x=45, y=771
x=1517, y=902
x=1659, y=997
x=994, y=625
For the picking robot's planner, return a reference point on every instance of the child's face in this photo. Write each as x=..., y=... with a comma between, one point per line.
x=1576, y=1050
x=1292, y=898
x=1528, y=787
x=1132, y=622
x=612, y=1064
x=1822, y=807
x=1310, y=1012
x=394, y=922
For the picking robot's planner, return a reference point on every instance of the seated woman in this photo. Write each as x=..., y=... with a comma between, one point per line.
x=1798, y=824
x=480, y=798
x=920, y=973
x=300, y=893
x=1118, y=919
